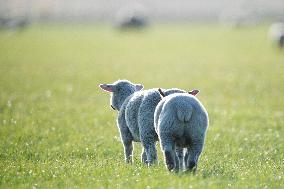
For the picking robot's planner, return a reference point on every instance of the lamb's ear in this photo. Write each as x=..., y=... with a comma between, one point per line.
x=194, y=92
x=107, y=87
x=161, y=92
x=138, y=87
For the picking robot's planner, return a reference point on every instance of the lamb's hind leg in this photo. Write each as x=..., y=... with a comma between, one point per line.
x=168, y=148
x=170, y=159
x=151, y=152
x=143, y=156
x=128, y=151
x=194, y=152
x=148, y=140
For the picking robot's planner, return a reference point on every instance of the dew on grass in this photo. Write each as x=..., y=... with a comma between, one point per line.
x=9, y=103
x=116, y=138
x=216, y=136
x=35, y=186
x=13, y=121
x=69, y=88
x=48, y=94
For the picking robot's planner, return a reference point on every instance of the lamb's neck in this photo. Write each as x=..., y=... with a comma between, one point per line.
x=122, y=99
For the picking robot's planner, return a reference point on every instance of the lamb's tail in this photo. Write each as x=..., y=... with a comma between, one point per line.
x=184, y=112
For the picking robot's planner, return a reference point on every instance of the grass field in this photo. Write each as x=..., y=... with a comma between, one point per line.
x=58, y=131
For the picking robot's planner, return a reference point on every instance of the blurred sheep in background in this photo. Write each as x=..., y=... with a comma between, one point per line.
x=276, y=34
x=132, y=16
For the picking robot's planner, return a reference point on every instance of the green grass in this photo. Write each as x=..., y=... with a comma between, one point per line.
x=57, y=129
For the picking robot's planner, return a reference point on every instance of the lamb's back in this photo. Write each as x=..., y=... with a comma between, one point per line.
x=131, y=113
x=146, y=113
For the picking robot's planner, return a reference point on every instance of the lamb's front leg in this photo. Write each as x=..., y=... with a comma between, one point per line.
x=127, y=143
x=179, y=158
x=186, y=155
x=126, y=137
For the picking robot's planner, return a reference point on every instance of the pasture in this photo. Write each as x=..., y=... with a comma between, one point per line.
x=57, y=129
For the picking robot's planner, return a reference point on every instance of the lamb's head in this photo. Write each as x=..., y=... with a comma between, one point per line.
x=119, y=91
x=164, y=93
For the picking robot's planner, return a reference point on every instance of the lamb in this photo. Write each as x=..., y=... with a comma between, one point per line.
x=136, y=116
x=276, y=33
x=181, y=122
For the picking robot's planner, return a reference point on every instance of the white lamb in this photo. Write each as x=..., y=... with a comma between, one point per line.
x=181, y=122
